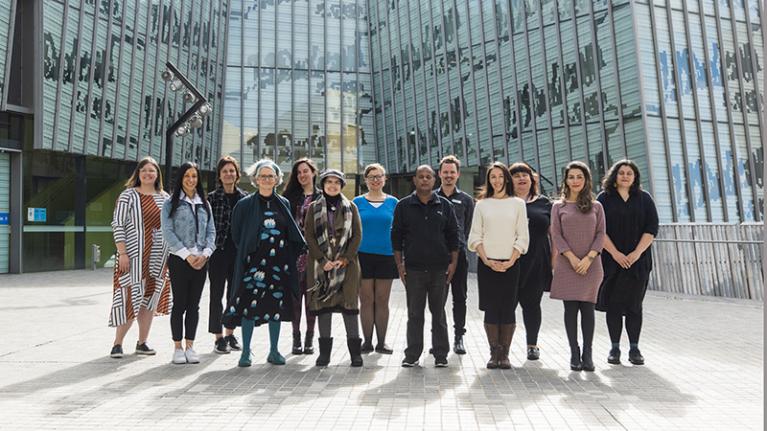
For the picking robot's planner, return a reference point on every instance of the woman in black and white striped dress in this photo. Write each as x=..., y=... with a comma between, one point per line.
x=141, y=286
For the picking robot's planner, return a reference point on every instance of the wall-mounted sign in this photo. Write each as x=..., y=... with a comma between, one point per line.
x=36, y=215
x=4, y=218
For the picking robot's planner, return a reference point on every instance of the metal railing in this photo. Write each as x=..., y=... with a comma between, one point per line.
x=709, y=259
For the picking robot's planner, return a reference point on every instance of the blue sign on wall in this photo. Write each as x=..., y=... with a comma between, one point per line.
x=4, y=219
x=36, y=215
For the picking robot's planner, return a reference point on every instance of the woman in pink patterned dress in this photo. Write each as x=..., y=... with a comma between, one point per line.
x=578, y=233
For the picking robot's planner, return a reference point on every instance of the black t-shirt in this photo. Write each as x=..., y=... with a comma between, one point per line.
x=626, y=222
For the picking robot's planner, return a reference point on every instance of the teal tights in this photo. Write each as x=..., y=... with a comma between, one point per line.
x=247, y=334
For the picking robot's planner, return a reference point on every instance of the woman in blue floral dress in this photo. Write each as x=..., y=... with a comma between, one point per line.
x=268, y=243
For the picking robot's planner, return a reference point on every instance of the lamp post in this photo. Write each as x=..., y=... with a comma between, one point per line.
x=192, y=118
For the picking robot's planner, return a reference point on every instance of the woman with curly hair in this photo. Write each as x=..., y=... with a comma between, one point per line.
x=578, y=233
x=632, y=224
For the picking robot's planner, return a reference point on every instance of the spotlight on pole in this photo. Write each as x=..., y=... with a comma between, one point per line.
x=193, y=118
x=176, y=85
x=205, y=109
x=195, y=122
x=182, y=130
x=167, y=75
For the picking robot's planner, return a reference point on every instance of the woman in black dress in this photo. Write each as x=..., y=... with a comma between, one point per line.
x=535, y=265
x=301, y=192
x=268, y=244
x=632, y=224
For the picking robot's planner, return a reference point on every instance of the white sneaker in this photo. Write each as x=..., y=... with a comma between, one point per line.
x=191, y=356
x=179, y=357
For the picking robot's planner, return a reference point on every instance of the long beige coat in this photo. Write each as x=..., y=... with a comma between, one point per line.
x=346, y=301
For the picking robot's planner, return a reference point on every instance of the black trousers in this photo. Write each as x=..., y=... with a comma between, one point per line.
x=421, y=286
x=458, y=289
x=220, y=273
x=186, y=284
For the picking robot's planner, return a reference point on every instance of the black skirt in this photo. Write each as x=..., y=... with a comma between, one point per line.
x=497, y=290
x=623, y=291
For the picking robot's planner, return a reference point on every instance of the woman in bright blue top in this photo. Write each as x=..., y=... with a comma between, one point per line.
x=376, y=210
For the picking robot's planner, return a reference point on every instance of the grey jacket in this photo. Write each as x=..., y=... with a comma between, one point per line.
x=189, y=230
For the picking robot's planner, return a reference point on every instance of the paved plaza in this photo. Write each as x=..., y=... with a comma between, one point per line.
x=704, y=372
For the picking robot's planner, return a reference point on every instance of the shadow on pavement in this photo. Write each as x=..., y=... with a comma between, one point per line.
x=613, y=388
x=75, y=375
x=265, y=386
x=422, y=384
x=159, y=376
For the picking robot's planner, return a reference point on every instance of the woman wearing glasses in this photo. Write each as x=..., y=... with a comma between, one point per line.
x=268, y=244
x=376, y=210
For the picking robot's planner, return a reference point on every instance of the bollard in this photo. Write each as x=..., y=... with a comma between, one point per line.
x=95, y=256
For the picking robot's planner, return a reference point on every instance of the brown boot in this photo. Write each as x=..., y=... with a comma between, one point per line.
x=506, y=334
x=492, y=339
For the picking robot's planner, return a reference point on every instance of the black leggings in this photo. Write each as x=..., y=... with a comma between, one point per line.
x=625, y=299
x=186, y=284
x=530, y=301
x=615, y=324
x=587, y=322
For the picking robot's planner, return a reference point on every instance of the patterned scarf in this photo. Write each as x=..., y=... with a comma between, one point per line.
x=328, y=283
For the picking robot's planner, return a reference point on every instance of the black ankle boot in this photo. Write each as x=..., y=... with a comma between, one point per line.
x=326, y=345
x=635, y=357
x=614, y=357
x=354, y=345
x=297, y=343
x=575, y=358
x=309, y=343
x=586, y=362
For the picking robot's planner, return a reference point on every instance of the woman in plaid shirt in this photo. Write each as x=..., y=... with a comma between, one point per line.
x=221, y=265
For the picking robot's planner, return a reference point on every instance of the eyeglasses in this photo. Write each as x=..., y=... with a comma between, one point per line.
x=267, y=177
x=375, y=177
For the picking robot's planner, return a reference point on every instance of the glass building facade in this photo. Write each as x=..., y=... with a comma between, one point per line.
x=298, y=83
x=101, y=63
x=81, y=101
x=675, y=85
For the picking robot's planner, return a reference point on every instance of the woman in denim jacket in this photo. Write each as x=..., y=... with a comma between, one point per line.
x=190, y=233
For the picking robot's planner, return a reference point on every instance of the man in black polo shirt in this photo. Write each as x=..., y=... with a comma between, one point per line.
x=425, y=242
x=463, y=204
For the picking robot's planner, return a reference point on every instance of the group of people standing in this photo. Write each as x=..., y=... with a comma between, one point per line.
x=312, y=252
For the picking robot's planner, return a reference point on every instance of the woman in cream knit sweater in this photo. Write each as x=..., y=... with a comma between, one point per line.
x=499, y=236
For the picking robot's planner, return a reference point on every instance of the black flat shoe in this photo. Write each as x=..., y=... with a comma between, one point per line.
x=635, y=357
x=533, y=353
x=367, y=347
x=384, y=349
x=614, y=357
